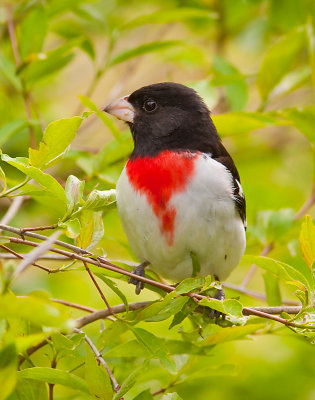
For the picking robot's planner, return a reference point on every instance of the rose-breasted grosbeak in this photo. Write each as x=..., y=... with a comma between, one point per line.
x=180, y=191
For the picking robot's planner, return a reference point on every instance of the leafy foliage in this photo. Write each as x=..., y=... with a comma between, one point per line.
x=253, y=62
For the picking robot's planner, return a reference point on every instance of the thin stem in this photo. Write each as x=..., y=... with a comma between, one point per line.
x=100, y=360
x=105, y=264
x=14, y=188
x=40, y=228
x=52, y=385
x=97, y=287
x=17, y=255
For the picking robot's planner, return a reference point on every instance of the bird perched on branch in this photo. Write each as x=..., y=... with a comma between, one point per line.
x=179, y=195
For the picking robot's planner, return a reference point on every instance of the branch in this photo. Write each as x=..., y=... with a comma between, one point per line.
x=100, y=262
x=100, y=359
x=97, y=286
x=80, y=322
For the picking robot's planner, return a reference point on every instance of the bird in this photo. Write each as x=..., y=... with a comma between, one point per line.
x=179, y=195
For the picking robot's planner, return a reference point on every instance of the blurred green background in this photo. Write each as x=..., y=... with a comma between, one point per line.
x=253, y=62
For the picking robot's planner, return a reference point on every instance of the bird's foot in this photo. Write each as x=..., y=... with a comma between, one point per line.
x=220, y=295
x=139, y=270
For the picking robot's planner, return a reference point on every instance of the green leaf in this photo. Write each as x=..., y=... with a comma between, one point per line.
x=92, y=229
x=131, y=380
x=237, y=123
x=303, y=119
x=9, y=71
x=96, y=376
x=32, y=32
x=114, y=151
x=271, y=225
x=168, y=16
x=4, y=181
x=98, y=199
x=28, y=389
x=143, y=49
x=8, y=363
x=88, y=47
x=72, y=227
x=46, y=64
x=155, y=346
x=190, y=284
x=10, y=129
x=57, y=137
x=230, y=307
x=272, y=289
x=115, y=289
x=145, y=395
x=307, y=241
x=103, y=117
x=46, y=181
x=232, y=333
x=74, y=193
x=55, y=376
x=284, y=271
x=234, y=82
x=279, y=59
x=186, y=310
x=311, y=45
x=155, y=308
x=35, y=310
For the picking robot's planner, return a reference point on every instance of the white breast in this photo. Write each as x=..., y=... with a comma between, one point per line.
x=206, y=223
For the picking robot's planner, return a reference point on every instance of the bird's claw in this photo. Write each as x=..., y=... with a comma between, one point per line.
x=139, y=270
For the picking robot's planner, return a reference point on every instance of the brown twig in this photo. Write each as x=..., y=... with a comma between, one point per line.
x=52, y=385
x=39, y=228
x=52, y=257
x=104, y=264
x=97, y=286
x=107, y=265
x=17, y=255
x=100, y=360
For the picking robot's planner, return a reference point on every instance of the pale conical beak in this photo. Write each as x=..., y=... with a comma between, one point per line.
x=121, y=109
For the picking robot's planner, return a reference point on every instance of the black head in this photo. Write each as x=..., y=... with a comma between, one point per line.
x=167, y=116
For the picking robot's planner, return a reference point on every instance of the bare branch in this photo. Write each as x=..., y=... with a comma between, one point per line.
x=97, y=287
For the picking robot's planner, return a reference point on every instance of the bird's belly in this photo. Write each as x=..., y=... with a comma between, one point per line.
x=205, y=222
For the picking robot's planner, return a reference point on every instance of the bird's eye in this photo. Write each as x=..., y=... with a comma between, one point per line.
x=149, y=105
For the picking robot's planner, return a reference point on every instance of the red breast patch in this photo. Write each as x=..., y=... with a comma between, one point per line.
x=159, y=178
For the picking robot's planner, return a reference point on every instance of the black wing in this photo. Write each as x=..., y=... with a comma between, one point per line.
x=238, y=195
